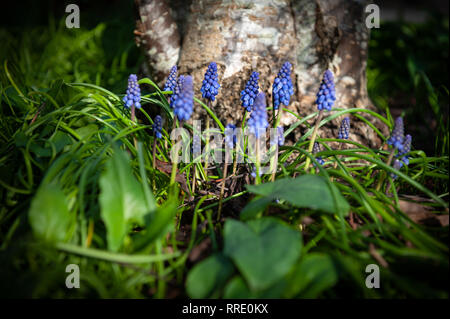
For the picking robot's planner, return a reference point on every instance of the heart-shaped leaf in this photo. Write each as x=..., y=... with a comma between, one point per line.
x=263, y=250
x=208, y=275
x=309, y=191
x=236, y=288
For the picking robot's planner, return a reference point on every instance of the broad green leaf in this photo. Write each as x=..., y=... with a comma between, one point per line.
x=121, y=199
x=49, y=214
x=238, y=289
x=264, y=250
x=208, y=275
x=315, y=274
x=309, y=191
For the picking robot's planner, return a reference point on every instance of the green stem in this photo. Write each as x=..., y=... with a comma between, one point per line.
x=133, y=118
x=194, y=178
x=173, y=175
x=161, y=291
x=258, y=164
x=313, y=139
x=223, y=186
x=383, y=173
x=276, y=162
x=207, y=145
x=154, y=152
x=113, y=257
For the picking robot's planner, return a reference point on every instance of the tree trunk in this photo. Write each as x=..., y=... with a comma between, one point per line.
x=246, y=36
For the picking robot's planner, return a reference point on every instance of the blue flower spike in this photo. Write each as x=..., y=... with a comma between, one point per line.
x=316, y=149
x=171, y=79
x=344, y=129
x=177, y=90
x=157, y=126
x=184, y=103
x=248, y=95
x=397, y=136
x=133, y=95
x=405, y=150
x=282, y=87
x=397, y=165
x=327, y=93
x=230, y=136
x=210, y=85
x=258, y=118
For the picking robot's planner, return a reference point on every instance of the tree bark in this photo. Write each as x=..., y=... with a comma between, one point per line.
x=246, y=36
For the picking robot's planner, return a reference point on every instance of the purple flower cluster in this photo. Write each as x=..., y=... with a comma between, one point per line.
x=248, y=95
x=133, y=95
x=401, y=143
x=183, y=105
x=397, y=136
x=157, y=126
x=171, y=79
x=406, y=148
x=177, y=90
x=316, y=149
x=258, y=121
x=327, y=94
x=210, y=86
x=344, y=129
x=282, y=87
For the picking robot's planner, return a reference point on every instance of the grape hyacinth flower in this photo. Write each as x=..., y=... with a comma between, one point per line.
x=177, y=90
x=248, y=95
x=230, y=136
x=133, y=95
x=397, y=137
x=406, y=147
x=210, y=86
x=327, y=94
x=171, y=79
x=316, y=149
x=397, y=165
x=344, y=129
x=157, y=126
x=282, y=87
x=258, y=118
x=184, y=103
